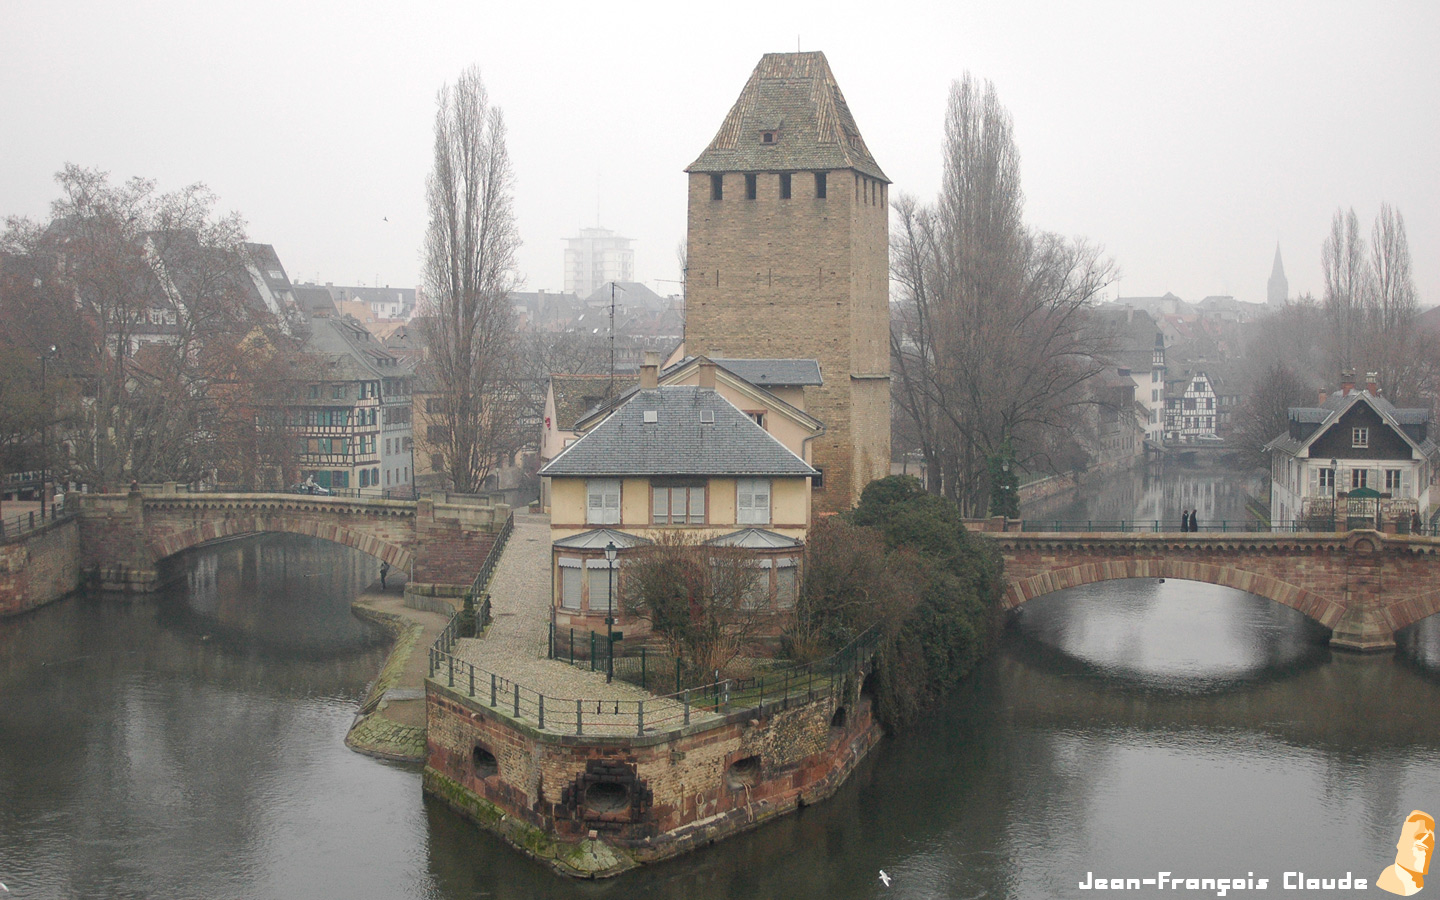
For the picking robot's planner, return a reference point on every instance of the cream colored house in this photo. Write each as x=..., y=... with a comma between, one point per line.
x=680, y=457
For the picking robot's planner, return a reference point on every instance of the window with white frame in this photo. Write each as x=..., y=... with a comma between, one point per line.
x=597, y=578
x=673, y=503
x=1358, y=478
x=785, y=583
x=602, y=501
x=1392, y=480
x=1327, y=479
x=752, y=501
x=756, y=593
x=1360, y=437
x=570, y=583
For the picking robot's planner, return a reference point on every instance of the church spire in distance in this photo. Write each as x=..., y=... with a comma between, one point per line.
x=1278, y=288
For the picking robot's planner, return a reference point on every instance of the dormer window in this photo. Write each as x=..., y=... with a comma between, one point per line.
x=767, y=137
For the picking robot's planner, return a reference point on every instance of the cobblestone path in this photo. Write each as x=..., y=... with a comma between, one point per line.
x=514, y=646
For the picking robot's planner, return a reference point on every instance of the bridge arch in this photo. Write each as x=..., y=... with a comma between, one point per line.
x=203, y=532
x=1315, y=606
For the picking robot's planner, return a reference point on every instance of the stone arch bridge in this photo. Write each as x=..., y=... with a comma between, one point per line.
x=439, y=541
x=1363, y=585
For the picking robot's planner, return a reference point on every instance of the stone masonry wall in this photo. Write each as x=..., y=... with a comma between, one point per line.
x=1364, y=585
x=440, y=544
x=41, y=566
x=659, y=794
x=804, y=277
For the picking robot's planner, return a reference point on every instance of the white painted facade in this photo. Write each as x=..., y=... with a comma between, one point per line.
x=1193, y=416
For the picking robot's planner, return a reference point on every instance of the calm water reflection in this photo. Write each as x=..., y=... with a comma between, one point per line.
x=1157, y=492
x=189, y=746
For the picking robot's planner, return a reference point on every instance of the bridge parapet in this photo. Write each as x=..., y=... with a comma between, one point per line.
x=440, y=545
x=1364, y=585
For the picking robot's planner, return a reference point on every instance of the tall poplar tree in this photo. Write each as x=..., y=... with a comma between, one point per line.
x=470, y=367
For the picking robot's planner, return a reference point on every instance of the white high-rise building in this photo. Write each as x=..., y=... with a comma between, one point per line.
x=598, y=255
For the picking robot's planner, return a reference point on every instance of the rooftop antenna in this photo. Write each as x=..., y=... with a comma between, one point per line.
x=610, y=391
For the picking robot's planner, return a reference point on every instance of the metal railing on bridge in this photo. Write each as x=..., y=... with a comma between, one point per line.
x=302, y=490
x=1217, y=526
x=20, y=524
x=762, y=693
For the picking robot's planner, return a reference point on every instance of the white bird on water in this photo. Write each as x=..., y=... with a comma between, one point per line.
x=884, y=879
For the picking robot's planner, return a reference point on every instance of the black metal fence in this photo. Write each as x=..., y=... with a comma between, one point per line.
x=775, y=689
x=478, y=597
x=24, y=523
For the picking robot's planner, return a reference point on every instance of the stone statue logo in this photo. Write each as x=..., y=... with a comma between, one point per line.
x=1412, y=856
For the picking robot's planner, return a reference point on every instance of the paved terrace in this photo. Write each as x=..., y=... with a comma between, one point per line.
x=514, y=647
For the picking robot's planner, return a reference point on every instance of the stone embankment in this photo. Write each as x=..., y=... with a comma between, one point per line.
x=628, y=789
x=38, y=565
x=391, y=721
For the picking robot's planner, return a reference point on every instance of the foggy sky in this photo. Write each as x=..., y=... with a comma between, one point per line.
x=1185, y=138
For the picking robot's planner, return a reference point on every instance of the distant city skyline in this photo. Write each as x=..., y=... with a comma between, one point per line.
x=1187, y=141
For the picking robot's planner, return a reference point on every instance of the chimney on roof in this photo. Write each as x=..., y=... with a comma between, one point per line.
x=1372, y=383
x=650, y=370
x=1347, y=382
x=707, y=374
x=1323, y=397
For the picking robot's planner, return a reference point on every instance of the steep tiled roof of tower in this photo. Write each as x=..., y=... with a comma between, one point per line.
x=793, y=97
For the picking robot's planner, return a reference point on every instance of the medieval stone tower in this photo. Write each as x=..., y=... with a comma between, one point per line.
x=788, y=257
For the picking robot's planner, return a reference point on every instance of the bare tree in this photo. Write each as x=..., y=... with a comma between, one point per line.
x=705, y=602
x=1389, y=324
x=1347, y=288
x=154, y=281
x=1265, y=413
x=992, y=342
x=470, y=248
x=1370, y=302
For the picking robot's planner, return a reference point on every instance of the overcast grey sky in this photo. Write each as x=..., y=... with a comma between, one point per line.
x=1186, y=138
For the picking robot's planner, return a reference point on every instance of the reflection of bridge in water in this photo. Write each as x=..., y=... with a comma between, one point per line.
x=1364, y=585
x=1062, y=697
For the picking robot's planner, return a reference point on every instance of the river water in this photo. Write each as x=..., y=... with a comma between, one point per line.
x=189, y=745
x=1157, y=492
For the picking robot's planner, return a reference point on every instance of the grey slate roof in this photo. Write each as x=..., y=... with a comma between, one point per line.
x=794, y=95
x=577, y=395
x=768, y=373
x=1410, y=422
x=755, y=539
x=597, y=538
x=677, y=443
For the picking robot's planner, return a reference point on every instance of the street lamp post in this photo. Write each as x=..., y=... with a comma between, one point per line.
x=45, y=431
x=1005, y=513
x=611, y=551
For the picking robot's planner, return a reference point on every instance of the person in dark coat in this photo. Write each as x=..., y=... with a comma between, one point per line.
x=1184, y=520
x=384, y=573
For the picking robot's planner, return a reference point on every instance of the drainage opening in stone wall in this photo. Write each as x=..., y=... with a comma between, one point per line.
x=838, y=720
x=607, y=797
x=484, y=762
x=743, y=773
